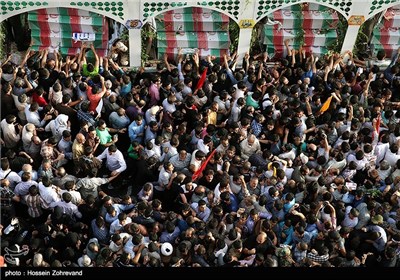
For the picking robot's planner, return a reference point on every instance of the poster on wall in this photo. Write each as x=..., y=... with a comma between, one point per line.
x=134, y=24
x=247, y=23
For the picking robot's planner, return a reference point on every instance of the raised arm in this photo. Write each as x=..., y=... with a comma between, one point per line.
x=28, y=52
x=82, y=55
x=28, y=84
x=103, y=87
x=337, y=61
x=57, y=57
x=233, y=65
x=180, y=59
x=246, y=62
x=328, y=69
x=97, y=61
x=314, y=63
x=197, y=62
x=5, y=61
x=44, y=58
x=67, y=64
x=260, y=70
x=293, y=57
x=167, y=63
x=331, y=62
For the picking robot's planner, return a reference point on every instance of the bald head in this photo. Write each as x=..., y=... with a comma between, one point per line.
x=261, y=237
x=36, y=140
x=61, y=171
x=27, y=167
x=80, y=138
x=30, y=127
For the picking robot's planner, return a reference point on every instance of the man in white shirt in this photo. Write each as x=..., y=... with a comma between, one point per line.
x=32, y=115
x=118, y=225
x=67, y=206
x=48, y=191
x=7, y=173
x=70, y=188
x=28, y=168
x=10, y=135
x=351, y=217
x=392, y=155
x=165, y=177
x=234, y=116
x=249, y=146
x=115, y=163
x=22, y=188
x=381, y=148
x=204, y=144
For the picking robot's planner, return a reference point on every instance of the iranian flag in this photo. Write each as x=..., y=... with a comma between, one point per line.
x=308, y=19
x=386, y=34
x=391, y=18
x=173, y=52
x=54, y=28
x=198, y=20
x=192, y=29
x=279, y=51
x=315, y=25
x=312, y=37
x=188, y=39
x=389, y=49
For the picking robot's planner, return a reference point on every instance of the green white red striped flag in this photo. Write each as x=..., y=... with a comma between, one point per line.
x=389, y=49
x=312, y=37
x=188, y=39
x=386, y=34
x=191, y=29
x=308, y=19
x=279, y=51
x=205, y=21
x=391, y=18
x=173, y=52
x=54, y=28
x=315, y=25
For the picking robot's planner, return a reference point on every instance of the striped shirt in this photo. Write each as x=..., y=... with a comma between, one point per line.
x=102, y=234
x=35, y=204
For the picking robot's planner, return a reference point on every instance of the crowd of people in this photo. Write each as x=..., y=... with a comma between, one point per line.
x=286, y=163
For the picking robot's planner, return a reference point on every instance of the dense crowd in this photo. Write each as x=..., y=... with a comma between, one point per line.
x=292, y=162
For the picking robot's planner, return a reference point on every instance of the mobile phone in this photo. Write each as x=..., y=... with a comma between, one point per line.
x=360, y=70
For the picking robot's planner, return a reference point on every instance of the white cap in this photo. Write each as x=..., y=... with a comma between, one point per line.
x=84, y=261
x=166, y=249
